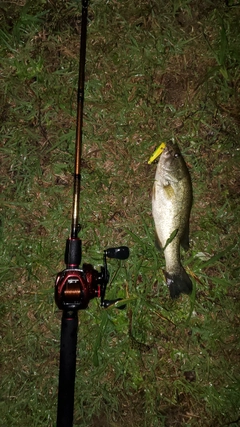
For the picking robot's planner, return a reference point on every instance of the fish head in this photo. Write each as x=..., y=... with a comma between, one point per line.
x=172, y=163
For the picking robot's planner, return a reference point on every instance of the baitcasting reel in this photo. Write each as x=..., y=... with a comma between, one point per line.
x=75, y=287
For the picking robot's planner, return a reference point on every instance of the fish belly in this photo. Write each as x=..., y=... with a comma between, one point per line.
x=168, y=214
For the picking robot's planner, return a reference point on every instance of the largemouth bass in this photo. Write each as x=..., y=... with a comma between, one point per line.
x=171, y=207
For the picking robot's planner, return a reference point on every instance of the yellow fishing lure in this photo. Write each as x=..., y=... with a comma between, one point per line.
x=157, y=153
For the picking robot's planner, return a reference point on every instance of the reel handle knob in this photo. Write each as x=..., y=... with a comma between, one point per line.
x=121, y=252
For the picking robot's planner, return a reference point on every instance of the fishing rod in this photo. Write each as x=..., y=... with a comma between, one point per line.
x=75, y=286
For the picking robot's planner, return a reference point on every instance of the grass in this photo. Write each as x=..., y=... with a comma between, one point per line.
x=154, y=70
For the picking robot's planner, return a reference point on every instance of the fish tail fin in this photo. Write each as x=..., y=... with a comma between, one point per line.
x=178, y=283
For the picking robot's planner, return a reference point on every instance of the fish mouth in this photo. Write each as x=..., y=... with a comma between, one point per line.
x=170, y=151
x=167, y=156
x=166, y=152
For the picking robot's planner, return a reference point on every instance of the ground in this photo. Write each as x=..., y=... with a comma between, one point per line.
x=154, y=70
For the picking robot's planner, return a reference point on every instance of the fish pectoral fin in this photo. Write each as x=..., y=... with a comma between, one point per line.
x=184, y=241
x=169, y=191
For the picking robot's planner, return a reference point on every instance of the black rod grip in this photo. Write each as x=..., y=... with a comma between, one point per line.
x=73, y=252
x=67, y=369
